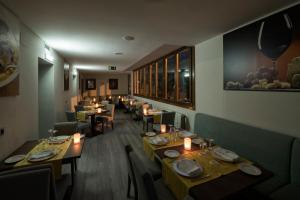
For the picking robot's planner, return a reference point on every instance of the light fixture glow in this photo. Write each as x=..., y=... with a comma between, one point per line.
x=91, y=67
x=48, y=54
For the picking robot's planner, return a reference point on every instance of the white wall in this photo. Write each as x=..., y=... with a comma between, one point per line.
x=19, y=115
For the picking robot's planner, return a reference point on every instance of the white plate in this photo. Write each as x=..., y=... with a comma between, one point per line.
x=150, y=134
x=250, y=169
x=14, y=159
x=197, y=141
x=184, y=134
x=227, y=155
x=41, y=156
x=178, y=164
x=62, y=137
x=171, y=153
x=163, y=141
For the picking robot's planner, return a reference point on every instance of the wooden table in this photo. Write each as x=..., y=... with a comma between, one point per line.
x=93, y=122
x=223, y=187
x=74, y=151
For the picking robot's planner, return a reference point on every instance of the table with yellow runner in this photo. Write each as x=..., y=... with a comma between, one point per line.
x=56, y=160
x=213, y=169
x=150, y=148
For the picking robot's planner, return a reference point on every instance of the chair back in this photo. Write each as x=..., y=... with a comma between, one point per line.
x=168, y=118
x=128, y=150
x=111, y=108
x=42, y=184
x=71, y=116
x=184, y=122
x=144, y=180
x=66, y=128
x=79, y=108
x=104, y=102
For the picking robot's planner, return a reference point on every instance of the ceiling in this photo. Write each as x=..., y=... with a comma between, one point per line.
x=89, y=32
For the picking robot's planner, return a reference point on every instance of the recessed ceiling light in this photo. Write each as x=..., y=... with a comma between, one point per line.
x=128, y=37
x=118, y=53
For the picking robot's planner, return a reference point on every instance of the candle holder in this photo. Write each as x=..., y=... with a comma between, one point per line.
x=163, y=128
x=145, y=111
x=76, y=138
x=187, y=143
x=99, y=110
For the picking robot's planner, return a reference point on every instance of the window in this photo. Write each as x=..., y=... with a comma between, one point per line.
x=169, y=79
x=153, y=80
x=171, y=69
x=160, y=79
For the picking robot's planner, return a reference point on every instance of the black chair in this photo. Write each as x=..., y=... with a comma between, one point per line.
x=147, y=188
x=82, y=126
x=34, y=182
x=167, y=118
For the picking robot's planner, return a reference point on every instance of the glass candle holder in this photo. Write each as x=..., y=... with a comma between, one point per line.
x=76, y=138
x=187, y=143
x=163, y=128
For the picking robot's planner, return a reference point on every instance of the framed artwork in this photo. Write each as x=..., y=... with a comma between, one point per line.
x=90, y=84
x=113, y=84
x=66, y=76
x=9, y=53
x=264, y=55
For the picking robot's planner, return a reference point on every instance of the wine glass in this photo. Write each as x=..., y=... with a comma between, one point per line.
x=275, y=36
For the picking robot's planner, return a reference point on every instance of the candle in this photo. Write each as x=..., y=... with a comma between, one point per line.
x=187, y=143
x=97, y=105
x=163, y=128
x=131, y=103
x=119, y=97
x=76, y=138
x=122, y=99
x=94, y=99
x=99, y=110
x=145, y=111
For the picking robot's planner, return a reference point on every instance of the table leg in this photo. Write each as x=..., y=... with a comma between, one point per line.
x=72, y=172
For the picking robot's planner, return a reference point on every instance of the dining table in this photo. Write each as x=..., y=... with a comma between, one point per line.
x=70, y=155
x=93, y=114
x=219, y=180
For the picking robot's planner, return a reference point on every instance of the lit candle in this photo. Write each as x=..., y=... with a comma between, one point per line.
x=131, y=103
x=119, y=97
x=97, y=105
x=122, y=99
x=94, y=99
x=76, y=138
x=109, y=97
x=99, y=110
x=163, y=128
x=187, y=143
x=145, y=111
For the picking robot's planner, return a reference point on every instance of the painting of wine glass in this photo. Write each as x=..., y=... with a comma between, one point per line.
x=264, y=55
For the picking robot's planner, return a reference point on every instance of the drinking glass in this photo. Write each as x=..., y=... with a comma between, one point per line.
x=210, y=143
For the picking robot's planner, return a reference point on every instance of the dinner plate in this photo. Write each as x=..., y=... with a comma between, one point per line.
x=171, y=153
x=184, y=134
x=14, y=159
x=224, y=154
x=197, y=141
x=150, y=134
x=250, y=169
x=159, y=141
x=187, y=168
x=42, y=155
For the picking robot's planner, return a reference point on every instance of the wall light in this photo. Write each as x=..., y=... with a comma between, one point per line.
x=48, y=54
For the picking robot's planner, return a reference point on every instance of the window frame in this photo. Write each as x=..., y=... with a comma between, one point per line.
x=154, y=63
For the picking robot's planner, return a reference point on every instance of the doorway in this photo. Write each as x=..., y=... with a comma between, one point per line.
x=45, y=97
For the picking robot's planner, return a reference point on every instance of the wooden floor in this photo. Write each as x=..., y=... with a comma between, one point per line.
x=102, y=169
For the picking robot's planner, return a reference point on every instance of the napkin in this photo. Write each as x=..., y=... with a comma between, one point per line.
x=159, y=140
x=41, y=154
x=189, y=167
x=226, y=154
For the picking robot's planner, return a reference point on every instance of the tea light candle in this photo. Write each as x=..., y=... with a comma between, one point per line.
x=122, y=99
x=97, y=105
x=145, y=111
x=94, y=99
x=163, y=128
x=131, y=103
x=99, y=110
x=187, y=143
x=76, y=138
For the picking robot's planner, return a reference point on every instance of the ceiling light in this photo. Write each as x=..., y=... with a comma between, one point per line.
x=118, y=53
x=91, y=67
x=128, y=38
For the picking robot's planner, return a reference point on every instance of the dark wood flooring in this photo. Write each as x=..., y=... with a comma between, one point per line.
x=102, y=168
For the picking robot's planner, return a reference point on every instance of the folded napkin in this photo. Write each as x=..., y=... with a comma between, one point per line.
x=226, y=154
x=159, y=140
x=189, y=167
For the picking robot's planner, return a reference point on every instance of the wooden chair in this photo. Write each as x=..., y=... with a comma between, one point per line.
x=65, y=128
x=147, y=188
x=110, y=118
x=34, y=182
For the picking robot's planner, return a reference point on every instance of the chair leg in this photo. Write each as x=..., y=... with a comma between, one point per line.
x=112, y=125
x=128, y=186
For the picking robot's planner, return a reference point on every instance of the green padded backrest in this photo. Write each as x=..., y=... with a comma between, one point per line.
x=295, y=162
x=267, y=148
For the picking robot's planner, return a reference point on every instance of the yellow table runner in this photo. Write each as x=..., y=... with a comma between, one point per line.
x=180, y=185
x=150, y=148
x=56, y=160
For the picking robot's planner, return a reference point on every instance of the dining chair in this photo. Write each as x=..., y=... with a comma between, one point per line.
x=111, y=116
x=147, y=188
x=41, y=179
x=65, y=128
x=79, y=108
x=82, y=125
x=167, y=118
x=147, y=119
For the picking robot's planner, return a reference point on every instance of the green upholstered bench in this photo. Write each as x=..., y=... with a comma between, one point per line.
x=269, y=149
x=292, y=190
